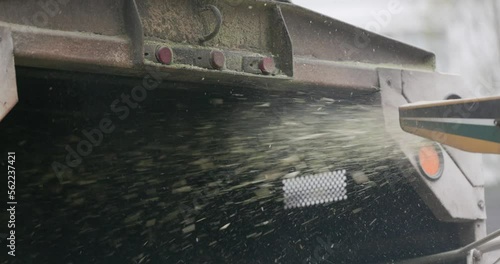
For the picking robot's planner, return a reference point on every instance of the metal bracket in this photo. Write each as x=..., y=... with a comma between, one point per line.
x=8, y=86
x=134, y=28
x=282, y=45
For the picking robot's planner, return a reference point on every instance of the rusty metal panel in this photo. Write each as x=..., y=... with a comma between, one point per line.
x=246, y=25
x=317, y=36
x=328, y=73
x=8, y=86
x=103, y=17
x=109, y=38
x=38, y=47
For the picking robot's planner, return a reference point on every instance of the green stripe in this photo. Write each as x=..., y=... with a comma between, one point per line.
x=488, y=133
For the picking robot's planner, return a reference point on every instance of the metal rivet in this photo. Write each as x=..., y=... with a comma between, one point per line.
x=267, y=65
x=164, y=55
x=480, y=204
x=217, y=59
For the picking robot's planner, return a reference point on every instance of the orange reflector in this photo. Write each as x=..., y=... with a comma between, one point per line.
x=430, y=161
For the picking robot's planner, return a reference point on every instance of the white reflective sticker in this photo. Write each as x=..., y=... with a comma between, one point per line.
x=315, y=189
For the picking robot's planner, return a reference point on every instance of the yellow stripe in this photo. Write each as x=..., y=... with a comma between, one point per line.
x=459, y=142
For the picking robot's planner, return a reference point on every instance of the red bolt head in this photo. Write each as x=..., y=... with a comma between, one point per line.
x=267, y=65
x=217, y=59
x=164, y=55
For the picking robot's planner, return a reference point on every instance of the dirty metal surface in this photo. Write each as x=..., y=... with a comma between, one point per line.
x=102, y=17
x=109, y=36
x=316, y=36
x=50, y=48
x=340, y=75
x=8, y=85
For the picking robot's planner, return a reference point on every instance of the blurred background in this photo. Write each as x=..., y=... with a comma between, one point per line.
x=464, y=35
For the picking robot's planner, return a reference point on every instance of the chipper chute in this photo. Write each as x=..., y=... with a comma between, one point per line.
x=472, y=125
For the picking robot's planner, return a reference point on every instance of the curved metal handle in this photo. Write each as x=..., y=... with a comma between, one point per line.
x=218, y=16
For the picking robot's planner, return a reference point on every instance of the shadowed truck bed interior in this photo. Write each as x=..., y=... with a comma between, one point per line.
x=192, y=174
